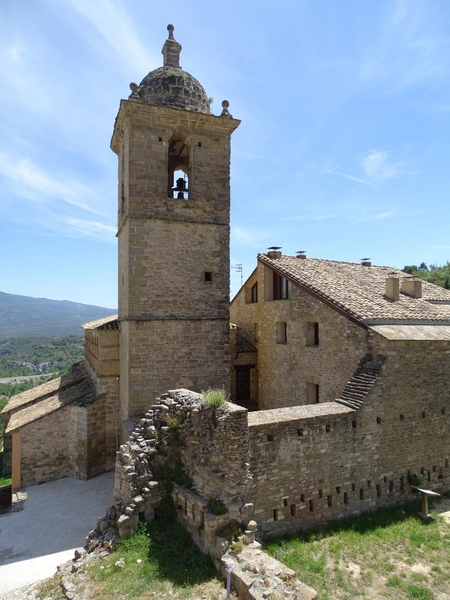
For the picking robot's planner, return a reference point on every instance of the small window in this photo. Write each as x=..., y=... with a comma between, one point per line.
x=208, y=276
x=312, y=392
x=280, y=287
x=281, y=333
x=312, y=334
x=254, y=296
x=255, y=332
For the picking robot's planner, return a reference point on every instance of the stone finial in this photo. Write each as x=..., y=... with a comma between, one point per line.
x=171, y=50
x=225, y=112
x=134, y=90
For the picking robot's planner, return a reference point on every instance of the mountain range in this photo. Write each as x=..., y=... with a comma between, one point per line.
x=25, y=316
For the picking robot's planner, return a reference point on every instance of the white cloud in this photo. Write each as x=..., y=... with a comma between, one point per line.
x=28, y=176
x=376, y=165
x=411, y=47
x=379, y=216
x=247, y=237
x=308, y=218
x=117, y=29
x=357, y=179
x=92, y=228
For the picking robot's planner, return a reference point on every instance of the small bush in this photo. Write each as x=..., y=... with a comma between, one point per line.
x=236, y=547
x=230, y=532
x=217, y=507
x=414, y=479
x=214, y=398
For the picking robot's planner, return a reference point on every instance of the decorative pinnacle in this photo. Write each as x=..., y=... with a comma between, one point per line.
x=171, y=50
x=225, y=111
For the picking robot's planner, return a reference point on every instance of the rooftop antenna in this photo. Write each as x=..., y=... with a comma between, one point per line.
x=240, y=270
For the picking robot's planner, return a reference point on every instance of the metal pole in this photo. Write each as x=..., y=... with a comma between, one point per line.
x=229, y=571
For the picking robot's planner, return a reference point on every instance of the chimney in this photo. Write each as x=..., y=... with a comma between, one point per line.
x=301, y=253
x=365, y=262
x=392, y=288
x=412, y=286
x=274, y=252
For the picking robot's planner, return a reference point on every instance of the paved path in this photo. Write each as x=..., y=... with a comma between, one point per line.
x=55, y=520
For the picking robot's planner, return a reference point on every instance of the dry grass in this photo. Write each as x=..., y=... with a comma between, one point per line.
x=393, y=553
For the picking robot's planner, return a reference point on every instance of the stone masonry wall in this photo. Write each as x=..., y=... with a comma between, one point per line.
x=169, y=354
x=312, y=464
x=173, y=253
x=42, y=461
x=285, y=369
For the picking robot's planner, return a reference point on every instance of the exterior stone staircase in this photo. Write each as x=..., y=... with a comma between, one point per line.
x=363, y=379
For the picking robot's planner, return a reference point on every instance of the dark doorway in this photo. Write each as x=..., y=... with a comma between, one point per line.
x=242, y=383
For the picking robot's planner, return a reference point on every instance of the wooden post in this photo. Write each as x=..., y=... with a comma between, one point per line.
x=16, y=460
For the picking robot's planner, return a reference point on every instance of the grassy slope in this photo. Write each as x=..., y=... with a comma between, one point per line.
x=393, y=553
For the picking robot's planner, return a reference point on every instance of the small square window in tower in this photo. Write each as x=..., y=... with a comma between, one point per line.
x=280, y=287
x=178, y=171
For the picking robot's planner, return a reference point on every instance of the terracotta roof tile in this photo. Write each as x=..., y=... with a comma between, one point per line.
x=80, y=393
x=360, y=290
x=106, y=324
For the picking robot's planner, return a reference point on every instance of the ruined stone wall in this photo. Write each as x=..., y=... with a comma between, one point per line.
x=212, y=445
x=286, y=368
x=44, y=461
x=312, y=464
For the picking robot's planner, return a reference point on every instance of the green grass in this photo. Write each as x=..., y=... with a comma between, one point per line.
x=5, y=481
x=160, y=558
x=392, y=553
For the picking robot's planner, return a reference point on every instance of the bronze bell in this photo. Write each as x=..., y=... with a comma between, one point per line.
x=181, y=188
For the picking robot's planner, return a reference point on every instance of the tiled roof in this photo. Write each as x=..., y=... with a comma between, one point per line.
x=76, y=374
x=359, y=290
x=75, y=388
x=106, y=324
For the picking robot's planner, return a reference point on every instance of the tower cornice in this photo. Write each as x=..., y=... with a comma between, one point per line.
x=159, y=115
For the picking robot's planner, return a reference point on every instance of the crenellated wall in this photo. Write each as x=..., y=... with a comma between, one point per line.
x=311, y=464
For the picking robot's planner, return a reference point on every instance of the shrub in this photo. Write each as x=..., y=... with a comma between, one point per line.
x=217, y=507
x=214, y=398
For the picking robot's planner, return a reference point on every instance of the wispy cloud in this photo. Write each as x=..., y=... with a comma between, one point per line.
x=307, y=218
x=352, y=178
x=378, y=217
x=92, y=228
x=27, y=176
x=376, y=164
x=248, y=237
x=116, y=28
x=410, y=48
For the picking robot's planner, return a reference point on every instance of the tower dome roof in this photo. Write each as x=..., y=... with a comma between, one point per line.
x=170, y=85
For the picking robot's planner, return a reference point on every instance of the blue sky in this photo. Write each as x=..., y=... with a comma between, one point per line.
x=343, y=149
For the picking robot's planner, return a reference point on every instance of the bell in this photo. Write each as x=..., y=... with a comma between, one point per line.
x=180, y=188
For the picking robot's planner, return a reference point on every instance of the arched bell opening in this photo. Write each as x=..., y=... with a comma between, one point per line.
x=178, y=170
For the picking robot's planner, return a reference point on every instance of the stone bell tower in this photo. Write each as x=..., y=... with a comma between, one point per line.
x=174, y=230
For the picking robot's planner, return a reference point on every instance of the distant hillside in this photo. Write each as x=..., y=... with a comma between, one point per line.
x=24, y=316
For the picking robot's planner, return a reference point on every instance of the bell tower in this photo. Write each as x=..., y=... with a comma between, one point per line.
x=174, y=236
